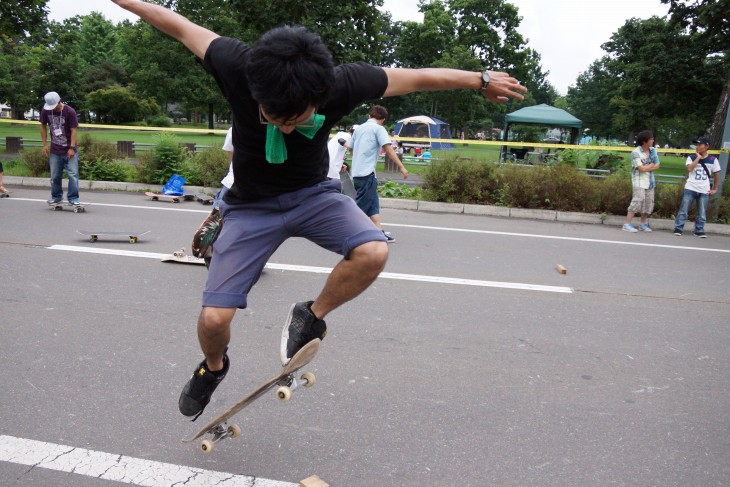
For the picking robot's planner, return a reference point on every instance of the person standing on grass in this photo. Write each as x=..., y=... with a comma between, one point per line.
x=701, y=168
x=63, y=152
x=644, y=161
x=367, y=142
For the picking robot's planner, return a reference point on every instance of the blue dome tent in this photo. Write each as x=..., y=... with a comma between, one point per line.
x=424, y=127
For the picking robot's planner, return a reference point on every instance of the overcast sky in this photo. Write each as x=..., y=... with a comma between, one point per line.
x=567, y=33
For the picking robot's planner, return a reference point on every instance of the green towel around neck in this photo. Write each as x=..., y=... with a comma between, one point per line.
x=275, y=145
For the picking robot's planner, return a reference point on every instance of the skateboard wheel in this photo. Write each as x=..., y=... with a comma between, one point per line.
x=283, y=393
x=93, y=238
x=132, y=239
x=234, y=431
x=309, y=378
x=206, y=446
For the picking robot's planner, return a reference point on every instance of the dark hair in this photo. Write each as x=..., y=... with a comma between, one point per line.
x=643, y=136
x=290, y=70
x=378, y=112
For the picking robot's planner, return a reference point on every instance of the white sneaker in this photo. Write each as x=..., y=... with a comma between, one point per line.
x=628, y=227
x=645, y=227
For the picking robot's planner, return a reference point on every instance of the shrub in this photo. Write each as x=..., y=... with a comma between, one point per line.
x=567, y=189
x=614, y=194
x=391, y=189
x=206, y=168
x=455, y=181
x=166, y=158
x=36, y=162
x=520, y=186
x=159, y=121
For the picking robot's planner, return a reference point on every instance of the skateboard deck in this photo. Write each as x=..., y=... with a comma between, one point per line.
x=5, y=194
x=348, y=187
x=78, y=208
x=184, y=258
x=203, y=198
x=94, y=236
x=168, y=197
x=285, y=379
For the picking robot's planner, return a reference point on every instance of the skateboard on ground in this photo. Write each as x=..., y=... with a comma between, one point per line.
x=94, y=236
x=5, y=194
x=78, y=207
x=287, y=383
x=168, y=197
x=182, y=257
x=206, y=199
x=348, y=187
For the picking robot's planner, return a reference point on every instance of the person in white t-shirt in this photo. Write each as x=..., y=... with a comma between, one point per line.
x=227, y=181
x=701, y=168
x=337, y=148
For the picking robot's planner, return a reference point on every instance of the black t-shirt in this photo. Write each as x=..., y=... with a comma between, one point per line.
x=307, y=160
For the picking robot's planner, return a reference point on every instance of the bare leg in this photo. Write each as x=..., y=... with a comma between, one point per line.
x=376, y=219
x=214, y=333
x=644, y=218
x=351, y=277
x=629, y=216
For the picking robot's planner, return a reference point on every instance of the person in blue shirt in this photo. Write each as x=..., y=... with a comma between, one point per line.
x=367, y=142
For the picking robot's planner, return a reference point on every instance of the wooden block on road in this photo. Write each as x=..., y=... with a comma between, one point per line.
x=561, y=269
x=313, y=481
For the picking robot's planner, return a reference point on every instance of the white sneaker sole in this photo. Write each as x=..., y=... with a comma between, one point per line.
x=285, y=337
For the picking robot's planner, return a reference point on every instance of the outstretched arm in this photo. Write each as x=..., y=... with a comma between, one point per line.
x=501, y=88
x=193, y=36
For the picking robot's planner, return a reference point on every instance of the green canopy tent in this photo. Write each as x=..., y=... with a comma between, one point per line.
x=544, y=115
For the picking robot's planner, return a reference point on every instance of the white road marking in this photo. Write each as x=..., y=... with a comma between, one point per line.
x=173, y=206
x=445, y=229
x=327, y=270
x=119, y=468
x=553, y=237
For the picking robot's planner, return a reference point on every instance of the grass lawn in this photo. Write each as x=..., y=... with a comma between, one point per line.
x=672, y=164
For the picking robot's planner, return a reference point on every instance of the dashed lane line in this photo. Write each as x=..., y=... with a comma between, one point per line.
x=119, y=468
x=327, y=270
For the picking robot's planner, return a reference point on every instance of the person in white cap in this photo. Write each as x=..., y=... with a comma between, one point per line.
x=63, y=151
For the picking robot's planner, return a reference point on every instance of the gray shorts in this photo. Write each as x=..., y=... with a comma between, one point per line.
x=253, y=231
x=642, y=201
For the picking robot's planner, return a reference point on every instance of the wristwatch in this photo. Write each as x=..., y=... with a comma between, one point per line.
x=485, y=80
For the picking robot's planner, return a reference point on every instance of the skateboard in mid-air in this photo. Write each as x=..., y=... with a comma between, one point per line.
x=348, y=187
x=168, y=197
x=182, y=257
x=203, y=198
x=94, y=236
x=77, y=207
x=287, y=383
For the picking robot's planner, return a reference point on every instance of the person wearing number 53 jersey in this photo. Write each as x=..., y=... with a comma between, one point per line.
x=701, y=167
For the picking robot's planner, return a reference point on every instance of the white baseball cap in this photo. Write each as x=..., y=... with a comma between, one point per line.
x=52, y=99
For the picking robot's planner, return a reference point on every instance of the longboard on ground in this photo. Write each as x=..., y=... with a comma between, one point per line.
x=94, y=235
x=168, y=197
x=77, y=207
x=182, y=257
x=203, y=198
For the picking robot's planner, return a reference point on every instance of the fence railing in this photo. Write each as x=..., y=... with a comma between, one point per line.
x=125, y=148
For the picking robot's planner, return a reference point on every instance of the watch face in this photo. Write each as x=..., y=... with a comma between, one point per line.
x=485, y=79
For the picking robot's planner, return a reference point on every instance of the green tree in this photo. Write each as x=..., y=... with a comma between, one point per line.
x=118, y=104
x=708, y=21
x=20, y=17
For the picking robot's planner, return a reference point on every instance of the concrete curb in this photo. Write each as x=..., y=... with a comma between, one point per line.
x=413, y=205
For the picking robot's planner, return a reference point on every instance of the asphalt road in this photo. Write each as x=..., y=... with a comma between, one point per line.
x=473, y=362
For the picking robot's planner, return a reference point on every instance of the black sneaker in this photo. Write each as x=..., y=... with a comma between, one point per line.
x=388, y=237
x=300, y=328
x=678, y=232
x=701, y=235
x=196, y=393
x=54, y=201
